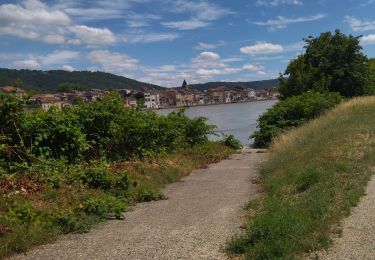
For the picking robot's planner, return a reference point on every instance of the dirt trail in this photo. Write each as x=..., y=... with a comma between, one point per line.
x=201, y=213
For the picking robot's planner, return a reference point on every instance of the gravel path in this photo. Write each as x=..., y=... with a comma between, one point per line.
x=358, y=239
x=201, y=213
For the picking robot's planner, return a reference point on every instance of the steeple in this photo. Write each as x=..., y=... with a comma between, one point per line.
x=184, y=85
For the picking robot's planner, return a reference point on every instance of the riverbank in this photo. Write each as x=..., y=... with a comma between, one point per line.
x=206, y=105
x=311, y=182
x=55, y=198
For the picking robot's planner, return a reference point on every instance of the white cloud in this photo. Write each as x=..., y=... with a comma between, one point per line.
x=369, y=2
x=278, y=2
x=368, y=39
x=209, y=46
x=202, y=14
x=27, y=64
x=207, y=59
x=59, y=57
x=252, y=67
x=186, y=25
x=113, y=61
x=140, y=20
x=31, y=20
x=93, y=36
x=262, y=48
x=360, y=25
x=151, y=37
x=223, y=71
x=282, y=22
x=68, y=68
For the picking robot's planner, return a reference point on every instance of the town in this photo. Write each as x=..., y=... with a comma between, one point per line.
x=150, y=99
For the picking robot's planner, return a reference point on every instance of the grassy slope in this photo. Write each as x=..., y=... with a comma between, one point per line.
x=314, y=176
x=34, y=212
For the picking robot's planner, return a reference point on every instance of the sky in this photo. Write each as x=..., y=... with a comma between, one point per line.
x=166, y=41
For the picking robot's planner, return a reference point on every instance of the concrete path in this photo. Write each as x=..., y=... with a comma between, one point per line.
x=358, y=237
x=201, y=213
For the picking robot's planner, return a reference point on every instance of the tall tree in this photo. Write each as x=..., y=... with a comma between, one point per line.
x=331, y=63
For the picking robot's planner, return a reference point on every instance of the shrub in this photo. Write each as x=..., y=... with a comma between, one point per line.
x=290, y=113
x=231, y=142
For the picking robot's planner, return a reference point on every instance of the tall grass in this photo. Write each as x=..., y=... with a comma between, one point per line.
x=314, y=176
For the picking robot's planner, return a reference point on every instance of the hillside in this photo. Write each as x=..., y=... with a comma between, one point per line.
x=49, y=80
x=251, y=84
x=310, y=183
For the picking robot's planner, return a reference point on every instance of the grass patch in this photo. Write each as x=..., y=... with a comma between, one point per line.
x=314, y=176
x=51, y=198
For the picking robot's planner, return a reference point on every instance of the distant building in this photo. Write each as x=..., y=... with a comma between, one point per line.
x=46, y=101
x=10, y=89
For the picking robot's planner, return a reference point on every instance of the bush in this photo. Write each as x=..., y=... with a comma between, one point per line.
x=231, y=142
x=290, y=113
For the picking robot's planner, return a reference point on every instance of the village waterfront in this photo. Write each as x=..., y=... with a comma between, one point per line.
x=238, y=119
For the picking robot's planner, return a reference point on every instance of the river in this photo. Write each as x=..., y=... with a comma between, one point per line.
x=238, y=119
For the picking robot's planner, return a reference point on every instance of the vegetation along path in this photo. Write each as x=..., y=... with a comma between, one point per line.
x=201, y=213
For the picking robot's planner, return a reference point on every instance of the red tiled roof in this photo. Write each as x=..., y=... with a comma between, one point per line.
x=12, y=89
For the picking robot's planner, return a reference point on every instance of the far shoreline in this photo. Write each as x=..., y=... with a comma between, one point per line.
x=205, y=105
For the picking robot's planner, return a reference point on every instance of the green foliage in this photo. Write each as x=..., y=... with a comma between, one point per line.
x=231, y=142
x=371, y=64
x=18, y=83
x=312, y=179
x=331, y=63
x=55, y=134
x=70, y=87
x=61, y=171
x=102, y=129
x=11, y=121
x=290, y=113
x=45, y=198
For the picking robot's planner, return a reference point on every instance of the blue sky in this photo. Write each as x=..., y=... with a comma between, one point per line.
x=166, y=41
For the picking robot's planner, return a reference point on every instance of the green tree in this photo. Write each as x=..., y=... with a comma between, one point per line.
x=18, y=83
x=70, y=87
x=331, y=63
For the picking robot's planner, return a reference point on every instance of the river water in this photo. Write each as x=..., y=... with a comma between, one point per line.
x=238, y=119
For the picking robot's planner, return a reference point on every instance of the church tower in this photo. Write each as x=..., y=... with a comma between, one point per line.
x=185, y=85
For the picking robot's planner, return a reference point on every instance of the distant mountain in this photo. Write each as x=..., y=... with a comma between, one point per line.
x=50, y=80
x=251, y=84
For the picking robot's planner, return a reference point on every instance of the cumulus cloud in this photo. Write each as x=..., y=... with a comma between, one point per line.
x=207, y=59
x=358, y=25
x=93, y=36
x=262, y=48
x=34, y=20
x=282, y=22
x=368, y=39
x=31, y=20
x=68, y=68
x=113, y=61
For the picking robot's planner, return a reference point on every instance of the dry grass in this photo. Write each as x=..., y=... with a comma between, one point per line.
x=314, y=176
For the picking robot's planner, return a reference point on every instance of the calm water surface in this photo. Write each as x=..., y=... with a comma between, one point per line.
x=238, y=119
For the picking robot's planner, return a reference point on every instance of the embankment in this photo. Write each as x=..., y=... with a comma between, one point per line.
x=314, y=176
